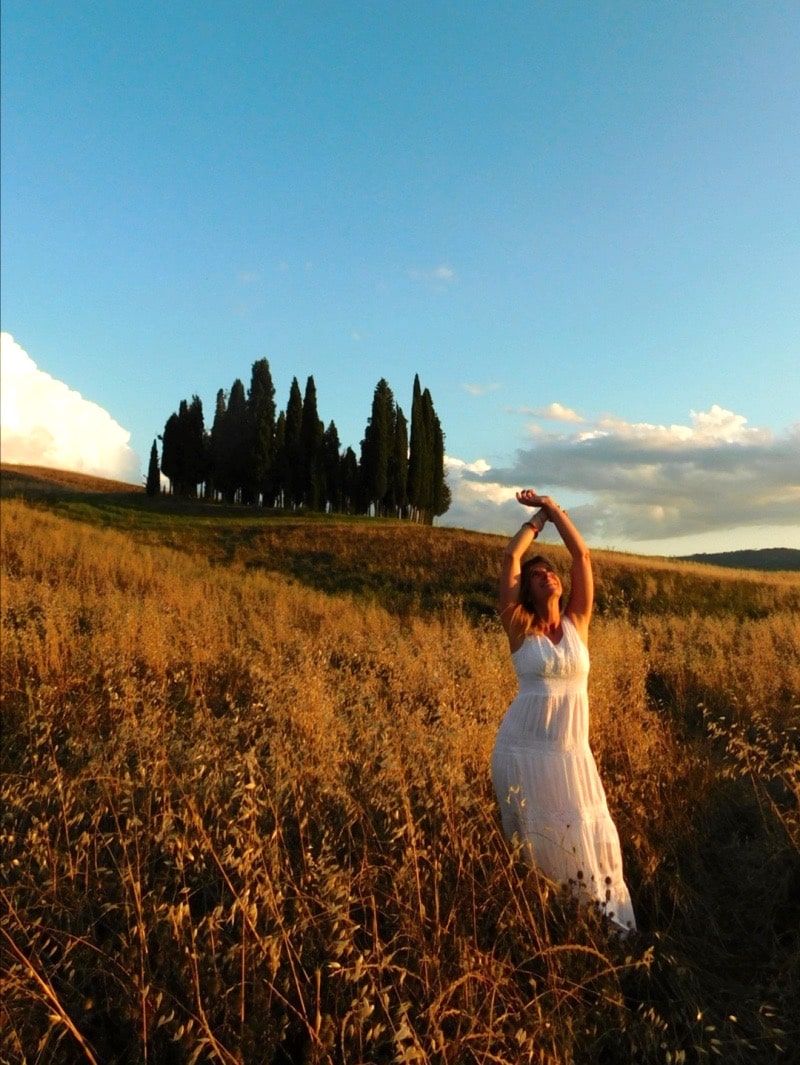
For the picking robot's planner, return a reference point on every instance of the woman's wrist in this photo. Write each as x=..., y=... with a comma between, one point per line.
x=551, y=508
x=537, y=521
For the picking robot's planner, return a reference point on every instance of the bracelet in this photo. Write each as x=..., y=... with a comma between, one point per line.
x=538, y=521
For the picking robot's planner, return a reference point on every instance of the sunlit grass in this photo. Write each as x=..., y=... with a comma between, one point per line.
x=247, y=813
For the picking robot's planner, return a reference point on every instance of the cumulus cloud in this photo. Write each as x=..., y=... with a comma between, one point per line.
x=478, y=500
x=646, y=482
x=43, y=422
x=456, y=467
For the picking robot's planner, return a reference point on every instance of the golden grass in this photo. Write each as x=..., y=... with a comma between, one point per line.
x=247, y=817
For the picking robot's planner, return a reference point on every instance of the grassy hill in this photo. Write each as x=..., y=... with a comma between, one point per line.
x=41, y=481
x=247, y=812
x=404, y=567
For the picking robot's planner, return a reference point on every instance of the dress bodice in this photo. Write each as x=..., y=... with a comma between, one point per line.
x=544, y=667
x=551, y=706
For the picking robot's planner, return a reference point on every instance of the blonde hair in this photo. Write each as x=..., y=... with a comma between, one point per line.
x=525, y=622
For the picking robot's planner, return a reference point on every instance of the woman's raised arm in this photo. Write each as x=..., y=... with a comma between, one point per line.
x=581, y=597
x=512, y=563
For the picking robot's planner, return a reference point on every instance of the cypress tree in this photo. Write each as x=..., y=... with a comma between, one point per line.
x=237, y=444
x=216, y=445
x=419, y=464
x=429, y=419
x=194, y=465
x=376, y=447
x=170, y=452
x=311, y=433
x=397, y=491
x=332, y=469
x=428, y=491
x=350, y=479
x=279, y=481
x=230, y=445
x=442, y=496
x=153, y=487
x=261, y=420
x=182, y=451
x=292, y=445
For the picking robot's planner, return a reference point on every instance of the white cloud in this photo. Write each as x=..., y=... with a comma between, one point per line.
x=457, y=466
x=438, y=275
x=556, y=412
x=706, y=429
x=648, y=484
x=481, y=390
x=43, y=422
x=478, y=501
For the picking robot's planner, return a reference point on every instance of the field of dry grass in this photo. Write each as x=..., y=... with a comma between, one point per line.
x=247, y=814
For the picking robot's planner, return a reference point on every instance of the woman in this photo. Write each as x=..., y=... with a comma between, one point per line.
x=551, y=798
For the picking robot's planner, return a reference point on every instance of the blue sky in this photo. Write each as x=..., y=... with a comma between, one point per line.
x=579, y=223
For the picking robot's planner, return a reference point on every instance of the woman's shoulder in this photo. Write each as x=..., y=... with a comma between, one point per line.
x=517, y=645
x=515, y=623
x=581, y=631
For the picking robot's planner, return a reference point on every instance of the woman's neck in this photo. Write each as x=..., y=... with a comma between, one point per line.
x=550, y=618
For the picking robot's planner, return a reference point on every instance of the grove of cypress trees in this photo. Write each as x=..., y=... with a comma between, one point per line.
x=293, y=461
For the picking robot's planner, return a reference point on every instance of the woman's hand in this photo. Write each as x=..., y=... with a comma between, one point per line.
x=528, y=498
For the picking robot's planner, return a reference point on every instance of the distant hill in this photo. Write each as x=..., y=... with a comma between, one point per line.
x=768, y=558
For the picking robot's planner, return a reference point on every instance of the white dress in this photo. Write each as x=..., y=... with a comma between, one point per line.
x=551, y=797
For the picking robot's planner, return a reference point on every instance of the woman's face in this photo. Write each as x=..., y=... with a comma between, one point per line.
x=543, y=582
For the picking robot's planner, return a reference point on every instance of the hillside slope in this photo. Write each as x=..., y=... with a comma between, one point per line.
x=404, y=567
x=38, y=480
